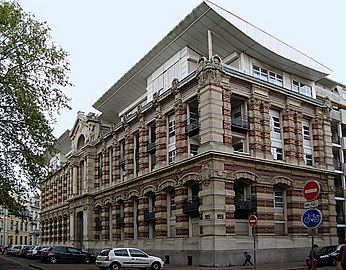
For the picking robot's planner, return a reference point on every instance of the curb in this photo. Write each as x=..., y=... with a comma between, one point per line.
x=37, y=267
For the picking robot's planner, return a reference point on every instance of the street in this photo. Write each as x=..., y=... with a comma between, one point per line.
x=15, y=263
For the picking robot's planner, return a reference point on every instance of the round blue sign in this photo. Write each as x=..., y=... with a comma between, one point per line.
x=312, y=218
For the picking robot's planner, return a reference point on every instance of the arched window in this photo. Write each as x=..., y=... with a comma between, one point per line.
x=81, y=142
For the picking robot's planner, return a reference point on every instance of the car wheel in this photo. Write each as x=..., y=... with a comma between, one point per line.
x=156, y=266
x=114, y=266
x=87, y=260
x=334, y=261
x=53, y=259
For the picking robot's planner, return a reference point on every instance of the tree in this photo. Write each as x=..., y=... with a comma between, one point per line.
x=33, y=70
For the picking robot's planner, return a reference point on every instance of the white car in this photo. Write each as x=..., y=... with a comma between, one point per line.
x=115, y=258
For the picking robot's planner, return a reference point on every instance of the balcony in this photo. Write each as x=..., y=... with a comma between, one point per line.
x=340, y=219
x=121, y=161
x=243, y=202
x=190, y=206
x=240, y=123
x=339, y=192
x=149, y=215
x=151, y=146
x=120, y=221
x=192, y=126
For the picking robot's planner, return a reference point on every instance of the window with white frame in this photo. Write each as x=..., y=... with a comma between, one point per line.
x=301, y=88
x=307, y=144
x=344, y=94
x=268, y=76
x=275, y=134
x=171, y=138
x=278, y=198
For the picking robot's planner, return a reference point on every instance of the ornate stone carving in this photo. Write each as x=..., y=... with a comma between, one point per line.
x=205, y=174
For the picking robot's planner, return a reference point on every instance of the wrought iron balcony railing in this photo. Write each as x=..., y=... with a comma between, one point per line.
x=149, y=215
x=243, y=202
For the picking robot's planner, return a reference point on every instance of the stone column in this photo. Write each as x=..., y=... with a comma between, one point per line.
x=298, y=131
x=265, y=123
x=63, y=231
x=129, y=153
x=97, y=229
x=182, y=220
x=161, y=135
x=255, y=133
x=71, y=225
x=161, y=215
x=143, y=143
x=105, y=165
x=180, y=108
x=64, y=187
x=97, y=183
x=318, y=145
x=116, y=157
x=105, y=223
x=265, y=210
x=143, y=228
x=289, y=137
x=129, y=234
x=210, y=96
x=227, y=117
x=75, y=180
x=116, y=214
x=230, y=208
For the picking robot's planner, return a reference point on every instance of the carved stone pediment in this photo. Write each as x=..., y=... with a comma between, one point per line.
x=85, y=130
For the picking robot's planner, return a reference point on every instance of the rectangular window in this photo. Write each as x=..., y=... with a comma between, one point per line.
x=306, y=132
x=344, y=94
x=99, y=165
x=278, y=199
x=308, y=159
x=301, y=88
x=171, y=128
x=277, y=153
x=276, y=124
x=171, y=156
x=266, y=75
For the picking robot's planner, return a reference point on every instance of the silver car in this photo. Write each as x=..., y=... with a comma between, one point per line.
x=115, y=258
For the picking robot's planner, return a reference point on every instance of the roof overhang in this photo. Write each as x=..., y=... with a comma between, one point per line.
x=229, y=33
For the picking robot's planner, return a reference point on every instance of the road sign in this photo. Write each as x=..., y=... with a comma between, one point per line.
x=312, y=218
x=311, y=204
x=252, y=220
x=311, y=190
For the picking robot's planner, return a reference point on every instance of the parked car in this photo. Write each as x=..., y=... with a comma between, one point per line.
x=328, y=255
x=24, y=250
x=116, y=258
x=13, y=250
x=67, y=254
x=35, y=252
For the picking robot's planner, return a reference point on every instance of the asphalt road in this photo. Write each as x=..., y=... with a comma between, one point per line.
x=14, y=263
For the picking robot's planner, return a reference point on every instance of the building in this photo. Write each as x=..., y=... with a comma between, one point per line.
x=217, y=122
x=21, y=231
x=336, y=94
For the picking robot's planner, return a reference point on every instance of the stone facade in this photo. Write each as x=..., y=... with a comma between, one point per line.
x=179, y=175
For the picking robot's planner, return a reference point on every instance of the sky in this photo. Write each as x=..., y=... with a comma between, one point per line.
x=105, y=38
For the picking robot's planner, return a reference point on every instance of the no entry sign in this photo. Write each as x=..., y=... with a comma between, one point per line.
x=252, y=220
x=311, y=190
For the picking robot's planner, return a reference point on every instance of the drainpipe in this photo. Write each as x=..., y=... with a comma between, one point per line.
x=210, y=45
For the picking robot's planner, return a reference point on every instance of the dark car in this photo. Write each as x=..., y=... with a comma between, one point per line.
x=328, y=255
x=66, y=254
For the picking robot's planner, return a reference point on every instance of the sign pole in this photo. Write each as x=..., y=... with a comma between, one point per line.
x=254, y=247
x=312, y=248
